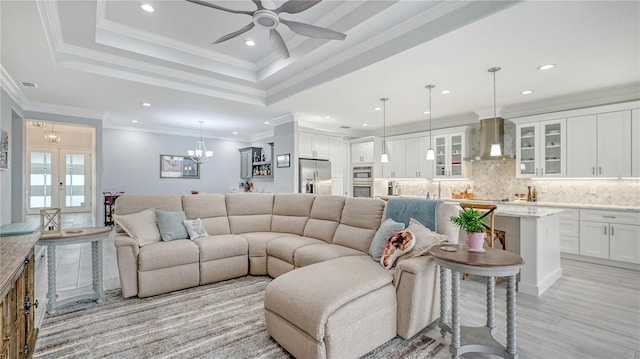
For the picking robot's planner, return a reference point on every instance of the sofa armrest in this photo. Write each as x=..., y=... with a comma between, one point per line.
x=127, y=251
x=418, y=294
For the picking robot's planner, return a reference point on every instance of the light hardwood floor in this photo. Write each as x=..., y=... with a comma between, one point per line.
x=593, y=311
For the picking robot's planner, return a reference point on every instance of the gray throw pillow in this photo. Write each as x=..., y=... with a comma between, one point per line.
x=386, y=230
x=171, y=225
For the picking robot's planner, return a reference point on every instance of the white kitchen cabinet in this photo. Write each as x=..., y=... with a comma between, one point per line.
x=395, y=168
x=450, y=149
x=613, y=235
x=541, y=148
x=362, y=152
x=313, y=145
x=635, y=143
x=416, y=164
x=599, y=145
x=570, y=231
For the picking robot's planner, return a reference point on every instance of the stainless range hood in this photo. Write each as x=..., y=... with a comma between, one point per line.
x=487, y=137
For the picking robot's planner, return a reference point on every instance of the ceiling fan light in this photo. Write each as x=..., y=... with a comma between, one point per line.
x=431, y=154
x=384, y=158
x=495, y=150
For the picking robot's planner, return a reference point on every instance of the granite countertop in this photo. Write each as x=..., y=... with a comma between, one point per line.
x=13, y=251
x=551, y=204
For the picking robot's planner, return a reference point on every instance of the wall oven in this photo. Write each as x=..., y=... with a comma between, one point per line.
x=363, y=181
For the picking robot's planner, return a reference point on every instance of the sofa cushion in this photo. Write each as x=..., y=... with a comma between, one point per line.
x=195, y=228
x=425, y=239
x=321, y=229
x=258, y=241
x=167, y=254
x=249, y=212
x=285, y=247
x=221, y=246
x=316, y=253
x=211, y=208
x=170, y=225
x=307, y=297
x=328, y=208
x=380, y=239
x=361, y=218
x=140, y=226
x=291, y=212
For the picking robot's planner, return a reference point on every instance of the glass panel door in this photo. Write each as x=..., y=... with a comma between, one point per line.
x=441, y=156
x=527, y=142
x=552, y=148
x=41, y=193
x=76, y=181
x=456, y=155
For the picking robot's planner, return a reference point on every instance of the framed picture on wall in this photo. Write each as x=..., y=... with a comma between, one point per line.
x=283, y=161
x=173, y=166
x=4, y=149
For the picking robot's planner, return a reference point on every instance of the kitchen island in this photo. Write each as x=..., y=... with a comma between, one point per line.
x=534, y=233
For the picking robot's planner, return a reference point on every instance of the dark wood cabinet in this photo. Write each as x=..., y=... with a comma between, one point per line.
x=110, y=207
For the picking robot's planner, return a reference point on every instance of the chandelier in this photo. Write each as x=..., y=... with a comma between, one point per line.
x=200, y=153
x=52, y=136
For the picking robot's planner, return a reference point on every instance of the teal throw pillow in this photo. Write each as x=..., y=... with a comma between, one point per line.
x=195, y=228
x=170, y=225
x=386, y=230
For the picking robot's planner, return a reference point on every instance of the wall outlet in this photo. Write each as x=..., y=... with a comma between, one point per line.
x=593, y=190
x=544, y=189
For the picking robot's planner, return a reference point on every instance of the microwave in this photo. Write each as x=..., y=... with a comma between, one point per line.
x=363, y=173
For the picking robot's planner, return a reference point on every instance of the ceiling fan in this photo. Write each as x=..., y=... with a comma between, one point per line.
x=270, y=19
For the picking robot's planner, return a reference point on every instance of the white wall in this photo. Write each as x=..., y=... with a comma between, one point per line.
x=9, y=112
x=286, y=178
x=132, y=163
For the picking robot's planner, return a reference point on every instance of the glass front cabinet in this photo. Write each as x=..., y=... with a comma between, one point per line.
x=449, y=153
x=541, y=149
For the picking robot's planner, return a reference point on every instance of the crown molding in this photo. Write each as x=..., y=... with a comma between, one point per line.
x=11, y=87
x=63, y=110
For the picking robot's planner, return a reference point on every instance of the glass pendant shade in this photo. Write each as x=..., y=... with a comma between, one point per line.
x=495, y=150
x=431, y=154
x=200, y=153
x=384, y=158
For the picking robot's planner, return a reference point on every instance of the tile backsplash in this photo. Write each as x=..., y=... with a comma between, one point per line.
x=496, y=180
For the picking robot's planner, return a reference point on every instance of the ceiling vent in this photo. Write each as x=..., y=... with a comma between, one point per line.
x=29, y=84
x=345, y=127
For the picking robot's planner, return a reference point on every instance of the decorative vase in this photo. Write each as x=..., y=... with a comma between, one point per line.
x=475, y=241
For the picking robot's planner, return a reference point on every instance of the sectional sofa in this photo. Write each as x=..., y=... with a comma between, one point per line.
x=329, y=298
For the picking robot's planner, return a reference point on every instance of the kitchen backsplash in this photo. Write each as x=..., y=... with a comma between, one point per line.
x=496, y=180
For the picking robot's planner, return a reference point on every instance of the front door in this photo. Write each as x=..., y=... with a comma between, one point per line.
x=59, y=178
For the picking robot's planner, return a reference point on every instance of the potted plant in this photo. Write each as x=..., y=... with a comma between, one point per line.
x=472, y=222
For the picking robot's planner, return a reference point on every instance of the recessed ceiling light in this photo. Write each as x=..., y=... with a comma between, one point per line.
x=134, y=121
x=445, y=92
x=546, y=67
x=147, y=7
x=377, y=109
x=327, y=117
x=250, y=43
x=145, y=104
x=365, y=124
x=235, y=132
x=426, y=112
x=526, y=92
x=266, y=122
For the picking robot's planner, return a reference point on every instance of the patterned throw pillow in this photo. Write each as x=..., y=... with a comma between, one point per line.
x=380, y=239
x=171, y=225
x=424, y=238
x=400, y=243
x=195, y=228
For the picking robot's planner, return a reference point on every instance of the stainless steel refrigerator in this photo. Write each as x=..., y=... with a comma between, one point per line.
x=315, y=176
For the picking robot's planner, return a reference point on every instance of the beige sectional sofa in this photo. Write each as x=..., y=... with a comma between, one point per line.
x=329, y=298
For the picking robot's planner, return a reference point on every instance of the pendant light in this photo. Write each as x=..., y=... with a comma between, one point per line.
x=385, y=156
x=495, y=146
x=200, y=153
x=431, y=153
x=52, y=136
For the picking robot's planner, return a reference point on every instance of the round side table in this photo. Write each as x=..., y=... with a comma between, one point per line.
x=456, y=259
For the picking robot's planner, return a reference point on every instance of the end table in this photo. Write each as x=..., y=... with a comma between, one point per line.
x=457, y=259
x=95, y=235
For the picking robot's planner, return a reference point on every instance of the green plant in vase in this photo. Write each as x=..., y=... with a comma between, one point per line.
x=474, y=224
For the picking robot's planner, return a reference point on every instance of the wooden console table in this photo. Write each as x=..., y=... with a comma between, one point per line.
x=95, y=235
x=492, y=263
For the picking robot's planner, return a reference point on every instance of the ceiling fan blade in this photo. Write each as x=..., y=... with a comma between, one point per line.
x=313, y=31
x=296, y=6
x=278, y=43
x=235, y=33
x=204, y=3
x=258, y=4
